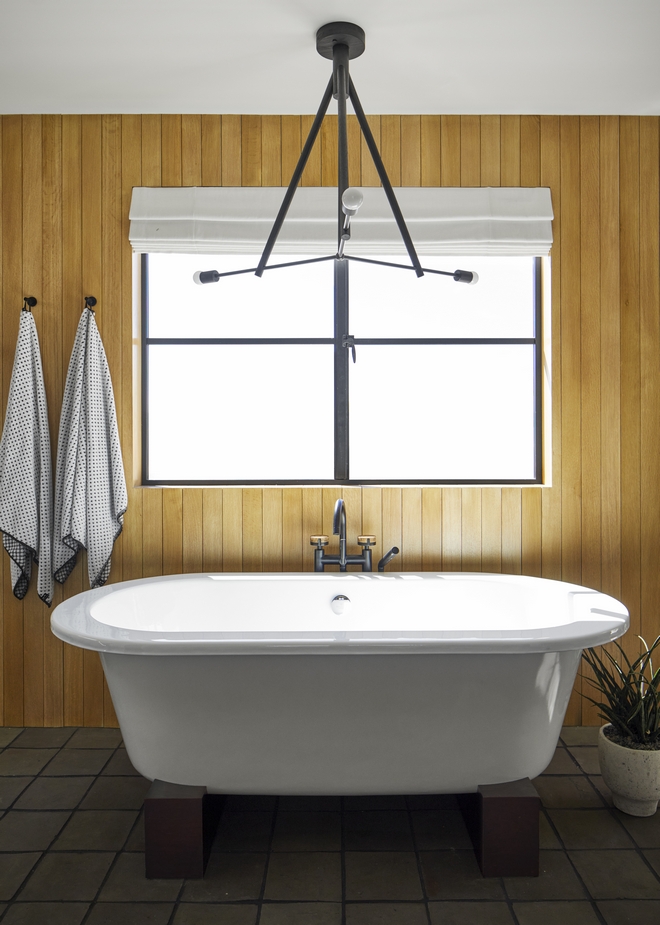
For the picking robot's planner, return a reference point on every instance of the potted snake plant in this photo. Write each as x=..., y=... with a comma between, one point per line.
x=629, y=742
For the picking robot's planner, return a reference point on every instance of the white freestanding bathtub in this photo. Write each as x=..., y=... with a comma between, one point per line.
x=409, y=683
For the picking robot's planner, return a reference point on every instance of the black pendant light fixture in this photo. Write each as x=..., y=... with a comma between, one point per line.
x=340, y=42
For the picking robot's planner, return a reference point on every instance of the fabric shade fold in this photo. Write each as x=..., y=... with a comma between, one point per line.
x=90, y=488
x=441, y=220
x=25, y=469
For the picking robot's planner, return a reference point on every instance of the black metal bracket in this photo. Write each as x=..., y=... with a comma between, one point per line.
x=348, y=341
x=29, y=302
x=90, y=302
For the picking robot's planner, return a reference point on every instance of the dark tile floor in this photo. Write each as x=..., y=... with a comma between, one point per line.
x=71, y=846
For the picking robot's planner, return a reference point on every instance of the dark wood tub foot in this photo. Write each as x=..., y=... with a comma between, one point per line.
x=179, y=825
x=503, y=822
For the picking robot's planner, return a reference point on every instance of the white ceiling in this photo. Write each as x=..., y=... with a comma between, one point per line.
x=259, y=56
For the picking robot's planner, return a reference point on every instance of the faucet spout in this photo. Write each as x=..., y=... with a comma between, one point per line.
x=394, y=551
x=339, y=529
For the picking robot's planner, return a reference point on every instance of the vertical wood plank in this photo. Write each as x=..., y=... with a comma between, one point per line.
x=272, y=506
x=51, y=348
x=232, y=530
x=34, y=611
x=571, y=470
x=271, y=151
x=72, y=293
x=471, y=530
x=511, y=531
x=431, y=529
x=531, y=527
x=470, y=151
x=390, y=148
x=252, y=530
x=450, y=146
x=354, y=151
x=451, y=529
x=491, y=529
x=191, y=150
x=312, y=518
x=510, y=150
x=649, y=261
x=430, y=151
x=372, y=519
x=171, y=149
x=152, y=548
x=291, y=146
x=12, y=296
x=172, y=531
x=230, y=172
x=251, y=150
x=292, y=554
x=192, y=530
x=411, y=155
x=590, y=399
x=111, y=276
x=551, y=497
x=151, y=153
x=530, y=150
x=490, y=151
x=610, y=334
x=629, y=216
x=212, y=529
x=369, y=173
x=129, y=414
x=329, y=162
x=411, y=531
x=392, y=533
x=211, y=149
x=312, y=172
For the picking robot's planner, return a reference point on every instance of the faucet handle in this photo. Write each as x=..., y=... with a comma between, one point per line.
x=319, y=540
x=367, y=541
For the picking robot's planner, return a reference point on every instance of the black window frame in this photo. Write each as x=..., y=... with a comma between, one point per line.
x=341, y=352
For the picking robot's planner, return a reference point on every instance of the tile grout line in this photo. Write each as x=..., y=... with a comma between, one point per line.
x=611, y=810
x=342, y=848
x=16, y=895
x=418, y=861
x=592, y=900
x=269, y=851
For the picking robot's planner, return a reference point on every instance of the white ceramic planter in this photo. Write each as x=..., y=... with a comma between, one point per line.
x=633, y=776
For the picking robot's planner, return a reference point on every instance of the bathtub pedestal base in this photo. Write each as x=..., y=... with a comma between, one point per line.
x=179, y=825
x=503, y=822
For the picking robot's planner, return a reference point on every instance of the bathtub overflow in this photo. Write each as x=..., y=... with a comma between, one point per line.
x=340, y=604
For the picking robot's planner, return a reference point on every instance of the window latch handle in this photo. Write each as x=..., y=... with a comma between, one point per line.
x=348, y=341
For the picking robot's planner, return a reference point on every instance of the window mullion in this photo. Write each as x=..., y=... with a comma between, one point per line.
x=341, y=370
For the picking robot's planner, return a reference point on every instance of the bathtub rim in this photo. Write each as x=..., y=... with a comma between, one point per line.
x=72, y=622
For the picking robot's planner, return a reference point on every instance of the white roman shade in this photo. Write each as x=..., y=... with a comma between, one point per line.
x=232, y=220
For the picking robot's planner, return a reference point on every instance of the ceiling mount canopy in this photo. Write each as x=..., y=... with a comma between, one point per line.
x=340, y=33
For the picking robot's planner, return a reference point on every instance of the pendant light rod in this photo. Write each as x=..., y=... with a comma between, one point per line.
x=340, y=79
x=295, y=179
x=384, y=179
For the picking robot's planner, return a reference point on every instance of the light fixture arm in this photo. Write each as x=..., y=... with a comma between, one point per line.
x=295, y=179
x=384, y=179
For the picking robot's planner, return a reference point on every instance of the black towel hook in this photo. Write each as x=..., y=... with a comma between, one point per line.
x=29, y=302
x=90, y=302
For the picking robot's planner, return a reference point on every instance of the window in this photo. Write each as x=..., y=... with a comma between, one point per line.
x=240, y=385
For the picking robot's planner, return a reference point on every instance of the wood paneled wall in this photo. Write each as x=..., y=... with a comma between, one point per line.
x=65, y=188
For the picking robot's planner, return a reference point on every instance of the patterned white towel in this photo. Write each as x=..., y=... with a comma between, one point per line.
x=90, y=489
x=25, y=469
